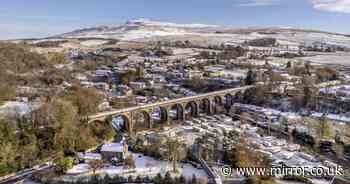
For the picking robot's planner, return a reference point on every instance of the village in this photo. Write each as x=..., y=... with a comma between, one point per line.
x=292, y=112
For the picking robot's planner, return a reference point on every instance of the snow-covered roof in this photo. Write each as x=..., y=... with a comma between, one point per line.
x=112, y=147
x=90, y=156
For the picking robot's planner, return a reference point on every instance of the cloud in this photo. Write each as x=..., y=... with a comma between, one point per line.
x=340, y=6
x=259, y=3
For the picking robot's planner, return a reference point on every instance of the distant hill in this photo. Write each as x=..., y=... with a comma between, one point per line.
x=146, y=30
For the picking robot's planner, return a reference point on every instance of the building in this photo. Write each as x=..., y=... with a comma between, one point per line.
x=215, y=71
x=87, y=157
x=123, y=90
x=117, y=151
x=193, y=74
x=137, y=85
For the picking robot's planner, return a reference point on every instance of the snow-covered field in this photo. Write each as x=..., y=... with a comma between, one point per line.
x=145, y=166
x=93, y=43
x=341, y=58
x=145, y=30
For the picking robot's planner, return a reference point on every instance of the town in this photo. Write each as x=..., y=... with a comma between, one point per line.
x=88, y=107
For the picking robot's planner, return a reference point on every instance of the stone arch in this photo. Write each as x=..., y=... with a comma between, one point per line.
x=176, y=112
x=159, y=116
x=205, y=106
x=228, y=101
x=142, y=120
x=121, y=122
x=238, y=97
x=191, y=109
x=217, y=104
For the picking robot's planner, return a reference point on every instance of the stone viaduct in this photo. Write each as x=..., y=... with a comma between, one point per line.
x=171, y=111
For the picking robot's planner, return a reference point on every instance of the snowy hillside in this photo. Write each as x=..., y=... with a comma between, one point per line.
x=143, y=30
x=136, y=29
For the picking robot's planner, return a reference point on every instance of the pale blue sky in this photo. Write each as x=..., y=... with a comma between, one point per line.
x=40, y=18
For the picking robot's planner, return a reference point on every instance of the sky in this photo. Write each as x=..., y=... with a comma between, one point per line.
x=42, y=18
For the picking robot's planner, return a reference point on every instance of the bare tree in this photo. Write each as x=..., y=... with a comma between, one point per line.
x=96, y=165
x=175, y=152
x=130, y=162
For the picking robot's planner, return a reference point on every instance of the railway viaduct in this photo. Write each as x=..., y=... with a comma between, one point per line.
x=171, y=111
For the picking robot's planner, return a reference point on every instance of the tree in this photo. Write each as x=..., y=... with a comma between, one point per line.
x=86, y=100
x=130, y=76
x=9, y=146
x=58, y=126
x=308, y=68
x=339, y=150
x=175, y=152
x=182, y=179
x=96, y=165
x=140, y=72
x=286, y=128
x=130, y=162
x=64, y=164
x=57, y=58
x=203, y=181
x=262, y=42
x=250, y=78
x=103, y=130
x=245, y=156
x=28, y=152
x=158, y=179
x=6, y=92
x=289, y=65
x=326, y=73
x=168, y=179
x=308, y=90
x=326, y=128
x=276, y=79
x=194, y=179
x=65, y=123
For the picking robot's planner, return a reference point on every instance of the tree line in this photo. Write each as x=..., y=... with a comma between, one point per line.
x=52, y=132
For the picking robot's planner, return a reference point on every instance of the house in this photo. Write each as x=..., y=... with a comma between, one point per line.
x=122, y=90
x=215, y=71
x=190, y=74
x=141, y=99
x=101, y=85
x=117, y=151
x=137, y=85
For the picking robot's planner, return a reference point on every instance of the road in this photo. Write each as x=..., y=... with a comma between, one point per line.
x=20, y=176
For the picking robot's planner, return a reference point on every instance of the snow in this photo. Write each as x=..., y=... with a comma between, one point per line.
x=47, y=40
x=166, y=24
x=15, y=107
x=144, y=29
x=334, y=117
x=79, y=169
x=148, y=166
x=90, y=156
x=112, y=147
x=340, y=58
x=343, y=89
x=144, y=166
x=268, y=111
x=92, y=43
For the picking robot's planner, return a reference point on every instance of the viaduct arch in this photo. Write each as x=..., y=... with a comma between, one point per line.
x=171, y=111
